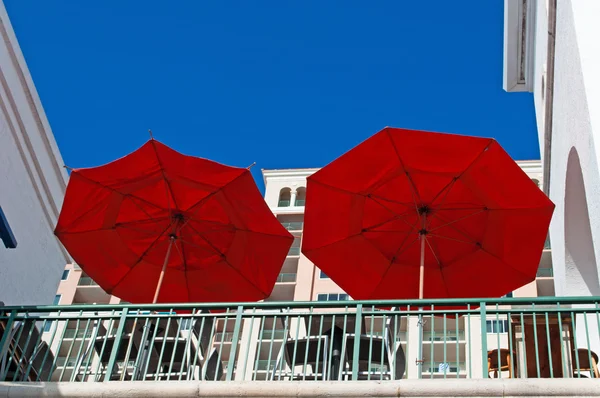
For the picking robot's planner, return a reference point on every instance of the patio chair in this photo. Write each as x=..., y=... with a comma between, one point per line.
x=584, y=363
x=504, y=365
x=23, y=356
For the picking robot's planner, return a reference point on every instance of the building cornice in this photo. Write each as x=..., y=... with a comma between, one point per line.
x=519, y=38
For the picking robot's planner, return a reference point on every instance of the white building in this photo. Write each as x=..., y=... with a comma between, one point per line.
x=32, y=184
x=552, y=49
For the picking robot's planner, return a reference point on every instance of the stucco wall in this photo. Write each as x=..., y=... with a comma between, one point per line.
x=574, y=173
x=574, y=134
x=32, y=183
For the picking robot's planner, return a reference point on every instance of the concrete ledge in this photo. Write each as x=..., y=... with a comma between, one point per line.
x=404, y=388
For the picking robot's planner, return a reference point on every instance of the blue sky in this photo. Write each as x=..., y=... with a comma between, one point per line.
x=281, y=83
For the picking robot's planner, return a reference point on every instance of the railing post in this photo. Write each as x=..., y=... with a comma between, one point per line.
x=482, y=313
x=4, y=343
x=355, y=353
x=116, y=344
x=235, y=342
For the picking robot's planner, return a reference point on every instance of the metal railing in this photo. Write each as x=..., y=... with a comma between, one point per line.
x=293, y=225
x=344, y=340
x=286, y=277
x=86, y=281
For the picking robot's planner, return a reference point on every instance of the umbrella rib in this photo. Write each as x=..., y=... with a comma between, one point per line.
x=414, y=190
x=463, y=172
x=409, y=205
x=453, y=239
x=396, y=217
x=336, y=188
x=119, y=192
x=391, y=263
x=224, y=258
x=430, y=244
x=457, y=220
x=403, y=247
x=447, y=189
x=475, y=207
x=152, y=245
x=182, y=255
x=168, y=188
x=139, y=207
x=210, y=195
x=207, y=241
x=453, y=227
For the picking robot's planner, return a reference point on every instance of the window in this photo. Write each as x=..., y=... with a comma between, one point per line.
x=322, y=275
x=48, y=326
x=285, y=197
x=332, y=297
x=300, y=197
x=496, y=326
x=57, y=299
x=65, y=275
x=6, y=234
x=508, y=295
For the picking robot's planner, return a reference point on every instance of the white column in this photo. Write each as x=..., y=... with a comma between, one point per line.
x=248, y=347
x=412, y=347
x=293, y=198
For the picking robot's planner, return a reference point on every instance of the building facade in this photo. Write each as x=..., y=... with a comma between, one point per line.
x=32, y=184
x=551, y=50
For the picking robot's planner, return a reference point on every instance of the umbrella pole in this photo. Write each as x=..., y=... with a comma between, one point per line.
x=420, y=360
x=162, y=272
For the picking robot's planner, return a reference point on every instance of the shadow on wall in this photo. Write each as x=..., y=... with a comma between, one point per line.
x=580, y=259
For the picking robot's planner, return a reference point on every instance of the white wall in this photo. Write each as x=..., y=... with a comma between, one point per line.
x=32, y=183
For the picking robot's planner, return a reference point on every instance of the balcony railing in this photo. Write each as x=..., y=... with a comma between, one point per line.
x=283, y=277
x=293, y=225
x=86, y=281
x=343, y=340
x=294, y=251
x=283, y=203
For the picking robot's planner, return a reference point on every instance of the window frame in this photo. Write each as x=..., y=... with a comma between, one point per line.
x=65, y=275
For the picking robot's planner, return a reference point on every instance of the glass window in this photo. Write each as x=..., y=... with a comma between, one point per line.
x=65, y=275
x=57, y=299
x=285, y=197
x=300, y=196
x=322, y=275
x=332, y=297
x=496, y=326
x=48, y=326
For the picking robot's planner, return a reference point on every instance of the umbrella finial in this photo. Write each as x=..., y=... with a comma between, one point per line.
x=150, y=132
x=67, y=167
x=252, y=165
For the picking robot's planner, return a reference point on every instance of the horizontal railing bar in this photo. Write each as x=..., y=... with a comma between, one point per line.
x=314, y=304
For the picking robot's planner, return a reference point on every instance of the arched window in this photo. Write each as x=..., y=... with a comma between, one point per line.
x=300, y=196
x=285, y=196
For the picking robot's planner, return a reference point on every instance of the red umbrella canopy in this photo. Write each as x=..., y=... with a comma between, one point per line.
x=483, y=221
x=118, y=220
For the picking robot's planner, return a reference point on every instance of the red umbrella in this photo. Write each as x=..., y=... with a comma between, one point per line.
x=410, y=214
x=156, y=218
